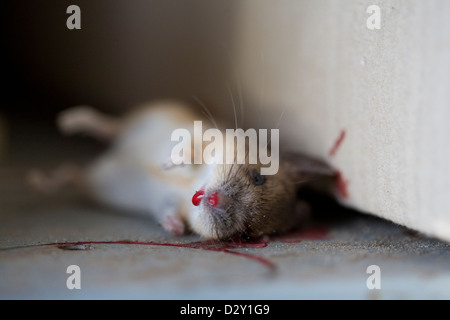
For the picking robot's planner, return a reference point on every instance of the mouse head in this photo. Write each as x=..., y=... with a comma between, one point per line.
x=236, y=200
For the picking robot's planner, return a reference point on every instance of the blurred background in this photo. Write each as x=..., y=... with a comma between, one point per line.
x=124, y=55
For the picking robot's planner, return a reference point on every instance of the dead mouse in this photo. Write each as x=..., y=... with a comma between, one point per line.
x=216, y=201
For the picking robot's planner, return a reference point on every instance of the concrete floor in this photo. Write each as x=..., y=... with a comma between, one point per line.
x=327, y=262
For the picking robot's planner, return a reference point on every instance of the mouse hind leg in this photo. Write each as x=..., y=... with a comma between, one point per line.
x=87, y=120
x=52, y=182
x=76, y=120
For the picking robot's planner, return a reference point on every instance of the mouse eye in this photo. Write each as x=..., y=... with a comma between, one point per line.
x=257, y=178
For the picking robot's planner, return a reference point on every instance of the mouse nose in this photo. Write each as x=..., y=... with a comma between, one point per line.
x=213, y=198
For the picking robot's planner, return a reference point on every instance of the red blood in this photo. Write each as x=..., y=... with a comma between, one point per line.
x=342, y=185
x=209, y=245
x=317, y=233
x=337, y=144
x=198, y=196
x=213, y=200
x=213, y=245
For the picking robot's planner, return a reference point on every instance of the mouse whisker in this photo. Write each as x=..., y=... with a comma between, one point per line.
x=277, y=127
x=206, y=111
x=230, y=171
x=247, y=169
x=234, y=106
x=222, y=211
x=240, y=96
x=222, y=222
x=261, y=99
x=243, y=168
x=237, y=78
x=217, y=233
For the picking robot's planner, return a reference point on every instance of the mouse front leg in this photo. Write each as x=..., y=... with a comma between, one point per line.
x=188, y=158
x=172, y=219
x=173, y=224
x=167, y=165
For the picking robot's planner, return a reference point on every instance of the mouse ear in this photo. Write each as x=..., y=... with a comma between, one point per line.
x=305, y=169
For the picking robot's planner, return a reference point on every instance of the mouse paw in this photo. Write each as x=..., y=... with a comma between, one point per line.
x=39, y=181
x=52, y=182
x=173, y=224
x=170, y=165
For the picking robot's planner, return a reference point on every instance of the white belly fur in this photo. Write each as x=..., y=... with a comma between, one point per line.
x=130, y=177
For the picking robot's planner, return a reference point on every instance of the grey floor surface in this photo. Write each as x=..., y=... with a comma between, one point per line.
x=330, y=262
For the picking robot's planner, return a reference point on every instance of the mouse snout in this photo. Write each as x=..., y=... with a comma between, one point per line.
x=213, y=199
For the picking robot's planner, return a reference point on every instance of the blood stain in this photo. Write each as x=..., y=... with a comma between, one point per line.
x=211, y=245
x=316, y=233
x=342, y=185
x=337, y=143
x=75, y=246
